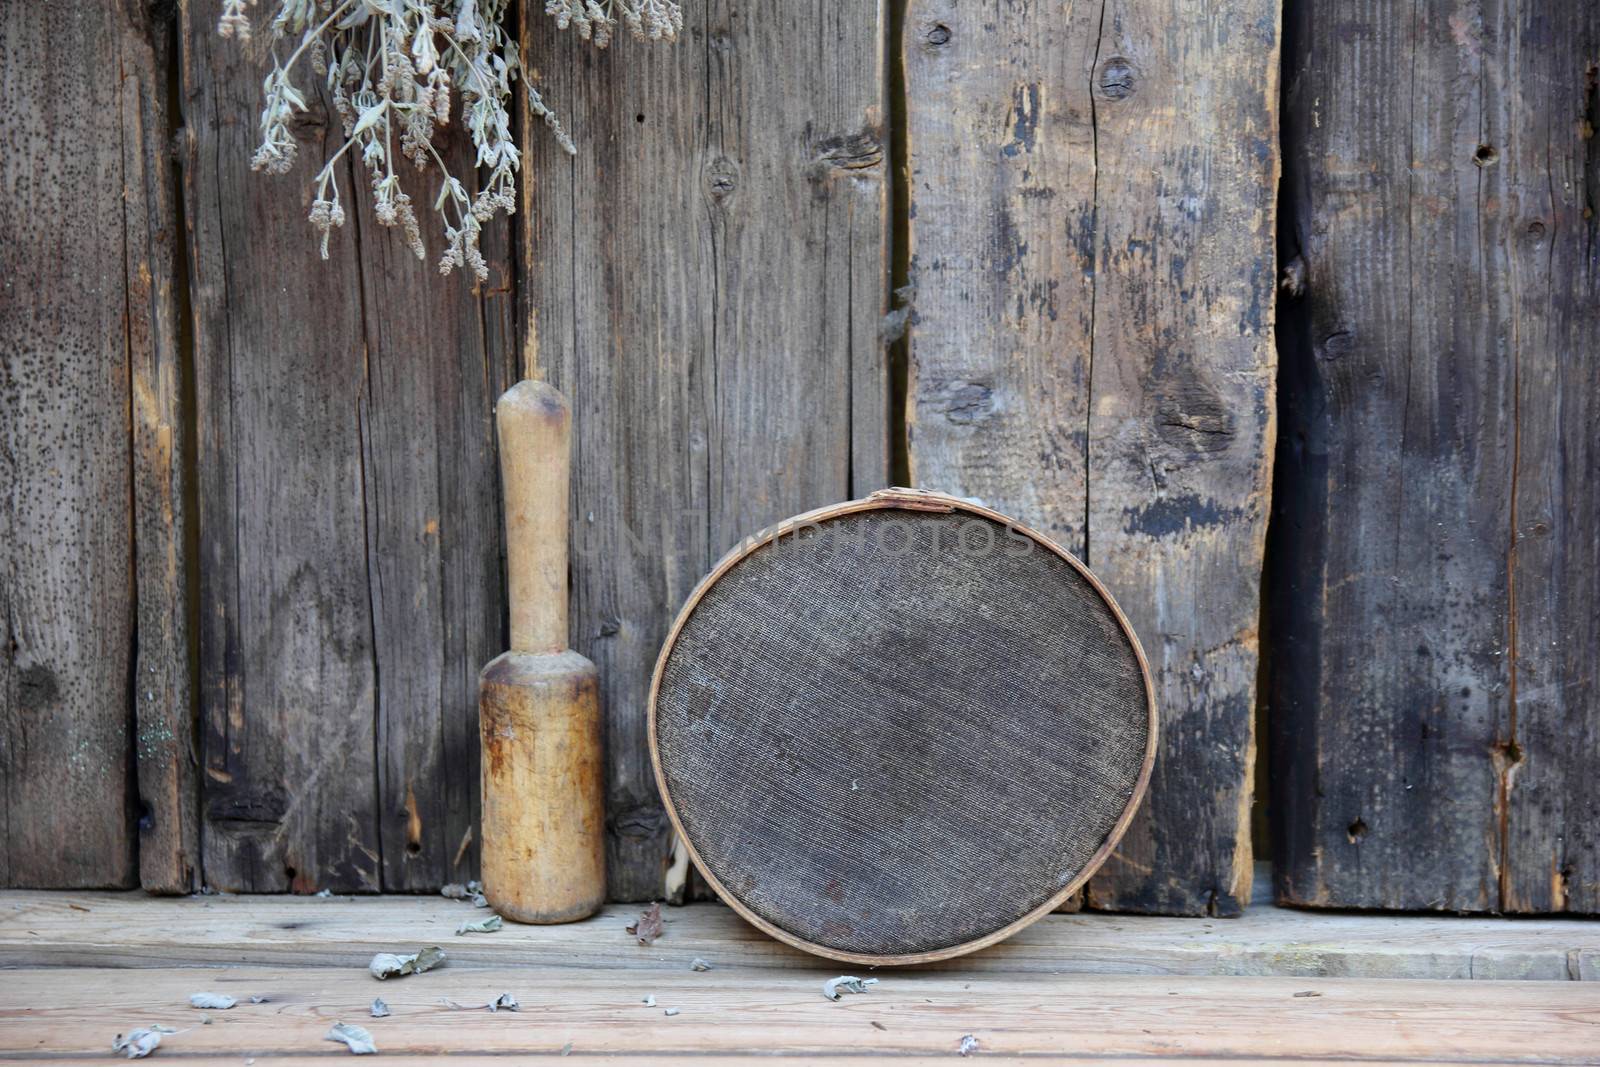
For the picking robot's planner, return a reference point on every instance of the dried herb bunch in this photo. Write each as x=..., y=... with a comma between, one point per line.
x=397, y=71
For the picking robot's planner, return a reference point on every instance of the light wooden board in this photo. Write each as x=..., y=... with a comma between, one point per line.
x=705, y=281
x=729, y=1011
x=121, y=930
x=91, y=584
x=1433, y=695
x=349, y=543
x=1091, y=222
x=162, y=686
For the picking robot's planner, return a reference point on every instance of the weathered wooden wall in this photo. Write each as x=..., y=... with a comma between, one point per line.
x=706, y=281
x=248, y=506
x=1435, y=564
x=1091, y=219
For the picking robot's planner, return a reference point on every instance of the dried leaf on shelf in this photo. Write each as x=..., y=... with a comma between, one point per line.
x=648, y=926
x=483, y=926
x=846, y=983
x=389, y=965
x=137, y=1044
x=356, y=1039
x=216, y=1001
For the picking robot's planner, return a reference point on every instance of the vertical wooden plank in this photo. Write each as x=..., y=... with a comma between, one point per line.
x=705, y=280
x=349, y=577
x=1183, y=416
x=437, y=358
x=1092, y=352
x=286, y=649
x=1002, y=186
x=162, y=682
x=795, y=216
x=75, y=324
x=1550, y=149
x=1433, y=594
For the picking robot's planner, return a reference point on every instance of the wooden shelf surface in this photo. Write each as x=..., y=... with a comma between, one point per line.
x=1273, y=986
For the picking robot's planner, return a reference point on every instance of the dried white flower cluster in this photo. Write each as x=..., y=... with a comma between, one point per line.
x=396, y=71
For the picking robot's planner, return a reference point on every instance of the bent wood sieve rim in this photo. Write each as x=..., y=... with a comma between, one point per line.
x=922, y=501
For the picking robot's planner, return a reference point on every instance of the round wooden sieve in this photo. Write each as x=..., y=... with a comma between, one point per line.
x=901, y=728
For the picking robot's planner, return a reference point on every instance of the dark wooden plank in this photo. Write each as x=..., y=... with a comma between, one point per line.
x=162, y=685
x=1091, y=352
x=705, y=281
x=82, y=283
x=349, y=577
x=1549, y=185
x=1433, y=545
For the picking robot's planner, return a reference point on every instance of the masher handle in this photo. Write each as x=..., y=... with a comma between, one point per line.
x=535, y=431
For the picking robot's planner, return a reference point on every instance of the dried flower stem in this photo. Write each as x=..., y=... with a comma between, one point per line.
x=392, y=69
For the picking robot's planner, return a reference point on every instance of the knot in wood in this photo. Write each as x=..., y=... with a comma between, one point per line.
x=722, y=178
x=1117, y=78
x=856, y=151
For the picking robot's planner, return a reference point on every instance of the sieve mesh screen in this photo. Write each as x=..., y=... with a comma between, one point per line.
x=899, y=731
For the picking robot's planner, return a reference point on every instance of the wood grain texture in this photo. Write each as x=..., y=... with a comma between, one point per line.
x=123, y=930
x=705, y=281
x=1001, y=137
x=534, y=431
x=437, y=354
x=1548, y=187
x=1092, y=194
x=349, y=573
x=1434, y=555
x=86, y=324
x=1183, y=418
x=732, y=1011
